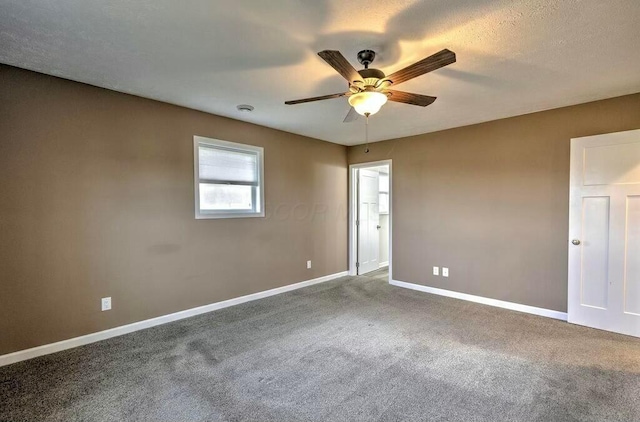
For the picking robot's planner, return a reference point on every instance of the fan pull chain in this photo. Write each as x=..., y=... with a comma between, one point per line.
x=366, y=133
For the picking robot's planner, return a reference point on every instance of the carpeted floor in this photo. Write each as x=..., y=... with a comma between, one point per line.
x=354, y=349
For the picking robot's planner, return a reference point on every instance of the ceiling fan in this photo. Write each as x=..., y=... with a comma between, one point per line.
x=369, y=88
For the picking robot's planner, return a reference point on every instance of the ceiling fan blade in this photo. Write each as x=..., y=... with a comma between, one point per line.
x=351, y=116
x=409, y=98
x=431, y=63
x=336, y=60
x=323, y=97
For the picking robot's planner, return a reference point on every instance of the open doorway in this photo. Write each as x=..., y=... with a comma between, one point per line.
x=370, y=217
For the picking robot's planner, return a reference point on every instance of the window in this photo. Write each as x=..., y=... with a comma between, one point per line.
x=228, y=179
x=383, y=180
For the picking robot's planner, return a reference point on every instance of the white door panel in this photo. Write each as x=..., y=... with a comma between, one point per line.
x=612, y=164
x=594, y=289
x=604, y=264
x=368, y=221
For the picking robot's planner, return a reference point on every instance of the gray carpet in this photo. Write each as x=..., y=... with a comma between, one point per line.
x=354, y=349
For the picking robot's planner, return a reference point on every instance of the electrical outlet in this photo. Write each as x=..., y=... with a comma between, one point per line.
x=308, y=264
x=106, y=303
x=436, y=271
x=445, y=272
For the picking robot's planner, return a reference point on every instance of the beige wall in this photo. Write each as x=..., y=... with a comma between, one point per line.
x=490, y=201
x=96, y=200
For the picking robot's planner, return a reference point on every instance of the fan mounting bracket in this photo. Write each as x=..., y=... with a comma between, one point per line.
x=366, y=57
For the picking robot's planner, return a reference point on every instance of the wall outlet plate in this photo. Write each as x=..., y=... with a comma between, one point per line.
x=308, y=264
x=445, y=272
x=106, y=303
x=436, y=271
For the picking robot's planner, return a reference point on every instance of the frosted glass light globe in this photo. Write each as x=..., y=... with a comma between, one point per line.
x=367, y=102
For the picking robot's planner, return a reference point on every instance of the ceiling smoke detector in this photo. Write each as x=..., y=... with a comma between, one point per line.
x=245, y=108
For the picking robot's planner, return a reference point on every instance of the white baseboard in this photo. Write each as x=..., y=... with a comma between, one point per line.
x=383, y=264
x=484, y=300
x=46, y=349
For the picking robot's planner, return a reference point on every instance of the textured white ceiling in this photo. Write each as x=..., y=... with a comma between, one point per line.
x=514, y=57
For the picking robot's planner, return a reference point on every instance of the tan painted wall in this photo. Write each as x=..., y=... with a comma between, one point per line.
x=490, y=201
x=96, y=199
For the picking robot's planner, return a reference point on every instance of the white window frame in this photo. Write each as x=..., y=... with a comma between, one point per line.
x=233, y=146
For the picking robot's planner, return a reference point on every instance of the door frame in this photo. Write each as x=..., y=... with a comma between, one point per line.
x=353, y=206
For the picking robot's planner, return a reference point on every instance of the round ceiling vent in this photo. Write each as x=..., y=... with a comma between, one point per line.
x=245, y=108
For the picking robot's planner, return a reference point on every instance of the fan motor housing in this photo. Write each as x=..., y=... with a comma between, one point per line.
x=371, y=73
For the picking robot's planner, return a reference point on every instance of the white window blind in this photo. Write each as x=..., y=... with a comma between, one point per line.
x=219, y=164
x=228, y=179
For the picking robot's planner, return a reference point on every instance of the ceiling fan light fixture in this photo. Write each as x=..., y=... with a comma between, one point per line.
x=367, y=102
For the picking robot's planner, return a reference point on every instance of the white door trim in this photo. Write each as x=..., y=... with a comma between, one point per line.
x=353, y=203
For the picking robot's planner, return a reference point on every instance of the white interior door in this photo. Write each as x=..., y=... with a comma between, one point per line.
x=604, y=232
x=368, y=223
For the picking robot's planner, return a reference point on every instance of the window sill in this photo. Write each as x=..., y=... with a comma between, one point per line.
x=206, y=216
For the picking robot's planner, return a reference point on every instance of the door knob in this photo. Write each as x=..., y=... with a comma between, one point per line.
x=575, y=242
x=378, y=227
